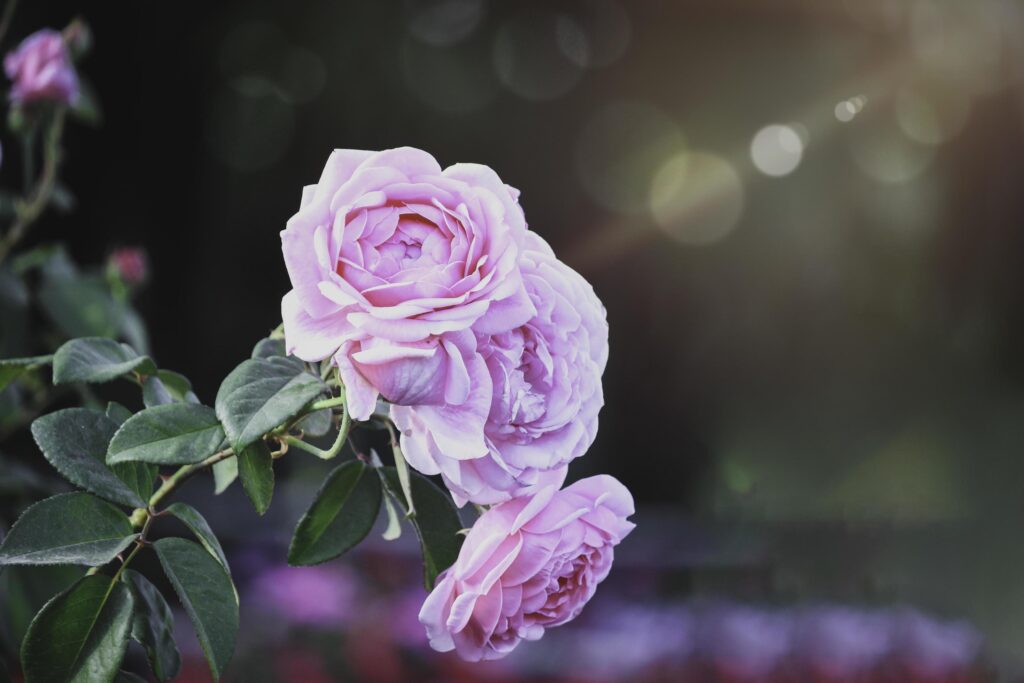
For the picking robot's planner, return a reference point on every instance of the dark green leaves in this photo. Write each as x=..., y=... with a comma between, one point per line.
x=97, y=359
x=174, y=434
x=341, y=516
x=197, y=525
x=153, y=626
x=12, y=368
x=75, y=442
x=206, y=591
x=256, y=470
x=72, y=528
x=436, y=522
x=79, y=636
x=260, y=395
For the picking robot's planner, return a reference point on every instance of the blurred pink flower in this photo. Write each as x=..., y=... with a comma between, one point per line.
x=316, y=596
x=41, y=69
x=527, y=565
x=130, y=264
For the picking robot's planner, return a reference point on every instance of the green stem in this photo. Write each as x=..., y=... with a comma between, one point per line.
x=328, y=403
x=402, y=468
x=29, y=211
x=174, y=481
x=5, y=22
x=339, y=443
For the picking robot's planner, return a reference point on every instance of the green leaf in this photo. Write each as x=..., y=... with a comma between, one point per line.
x=256, y=469
x=317, y=423
x=153, y=626
x=268, y=348
x=224, y=474
x=80, y=306
x=118, y=413
x=197, y=525
x=174, y=434
x=260, y=395
x=342, y=514
x=97, y=359
x=178, y=385
x=206, y=591
x=81, y=635
x=436, y=522
x=13, y=368
x=72, y=528
x=155, y=393
x=75, y=442
x=24, y=592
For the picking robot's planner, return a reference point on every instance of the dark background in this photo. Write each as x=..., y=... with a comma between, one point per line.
x=822, y=402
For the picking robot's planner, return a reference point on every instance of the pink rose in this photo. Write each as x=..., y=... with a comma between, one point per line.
x=392, y=261
x=41, y=70
x=528, y=564
x=545, y=391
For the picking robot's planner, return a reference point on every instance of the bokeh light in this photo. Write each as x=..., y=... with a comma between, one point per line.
x=776, y=150
x=444, y=22
x=529, y=59
x=619, y=151
x=596, y=34
x=697, y=198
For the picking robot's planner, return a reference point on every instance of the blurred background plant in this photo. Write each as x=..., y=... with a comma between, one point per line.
x=46, y=297
x=804, y=218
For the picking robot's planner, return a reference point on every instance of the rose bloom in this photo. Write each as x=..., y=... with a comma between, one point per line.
x=545, y=390
x=41, y=70
x=392, y=262
x=527, y=565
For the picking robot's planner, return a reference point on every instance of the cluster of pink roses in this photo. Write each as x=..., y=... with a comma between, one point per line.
x=428, y=290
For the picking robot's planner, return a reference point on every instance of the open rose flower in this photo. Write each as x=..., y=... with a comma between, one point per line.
x=545, y=391
x=392, y=261
x=527, y=565
x=41, y=69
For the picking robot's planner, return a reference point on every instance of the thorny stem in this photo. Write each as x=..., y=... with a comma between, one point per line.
x=29, y=210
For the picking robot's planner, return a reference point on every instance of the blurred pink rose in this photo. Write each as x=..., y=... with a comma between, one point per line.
x=528, y=564
x=392, y=260
x=41, y=69
x=545, y=390
x=130, y=264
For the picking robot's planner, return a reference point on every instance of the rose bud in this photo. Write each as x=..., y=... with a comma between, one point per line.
x=528, y=564
x=130, y=265
x=41, y=70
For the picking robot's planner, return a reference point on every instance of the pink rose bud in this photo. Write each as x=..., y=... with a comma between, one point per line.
x=41, y=70
x=394, y=263
x=130, y=264
x=527, y=565
x=545, y=391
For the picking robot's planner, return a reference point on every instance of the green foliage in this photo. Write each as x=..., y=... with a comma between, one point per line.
x=155, y=393
x=197, y=525
x=71, y=528
x=74, y=441
x=262, y=394
x=153, y=626
x=178, y=385
x=81, y=635
x=436, y=522
x=13, y=368
x=97, y=360
x=256, y=469
x=342, y=514
x=173, y=434
x=224, y=474
x=208, y=595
